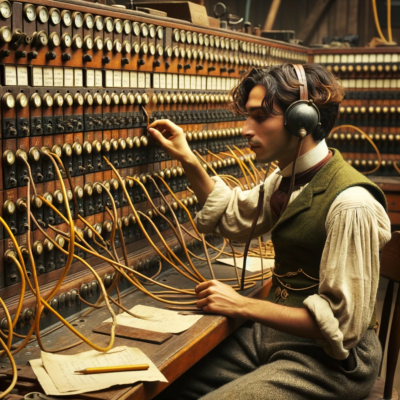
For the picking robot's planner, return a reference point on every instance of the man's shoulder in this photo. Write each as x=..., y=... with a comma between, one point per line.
x=357, y=197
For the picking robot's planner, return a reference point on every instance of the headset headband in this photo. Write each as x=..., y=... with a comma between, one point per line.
x=301, y=75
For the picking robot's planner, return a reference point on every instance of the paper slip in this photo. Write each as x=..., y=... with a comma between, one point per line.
x=157, y=319
x=253, y=264
x=56, y=373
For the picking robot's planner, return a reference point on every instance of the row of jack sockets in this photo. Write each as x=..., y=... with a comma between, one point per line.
x=87, y=158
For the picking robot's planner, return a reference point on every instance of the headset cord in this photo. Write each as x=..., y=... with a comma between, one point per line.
x=293, y=177
x=252, y=229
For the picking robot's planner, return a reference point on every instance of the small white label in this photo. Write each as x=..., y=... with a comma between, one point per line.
x=187, y=82
x=203, y=83
x=11, y=75
x=323, y=58
x=393, y=83
x=109, y=79
x=372, y=83
x=398, y=83
x=162, y=82
x=117, y=78
x=125, y=80
x=352, y=83
x=358, y=58
x=336, y=59
x=345, y=83
x=330, y=59
x=134, y=83
x=141, y=80
x=48, y=76
x=78, y=77
x=317, y=59
x=350, y=59
x=169, y=81
x=214, y=83
x=395, y=58
x=22, y=75
x=388, y=58
x=90, y=77
x=365, y=84
x=58, y=77
x=156, y=81
x=379, y=83
x=379, y=58
x=219, y=83
x=148, y=80
x=359, y=83
x=386, y=83
x=343, y=58
x=208, y=83
x=174, y=81
x=365, y=58
x=181, y=80
x=192, y=82
x=98, y=78
x=37, y=75
x=372, y=58
x=223, y=87
x=198, y=82
x=68, y=77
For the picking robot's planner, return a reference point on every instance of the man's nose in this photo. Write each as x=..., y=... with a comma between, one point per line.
x=247, y=130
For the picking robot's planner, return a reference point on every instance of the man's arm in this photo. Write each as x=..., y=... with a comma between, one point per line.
x=172, y=139
x=217, y=298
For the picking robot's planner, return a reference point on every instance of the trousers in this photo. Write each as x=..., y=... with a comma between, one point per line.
x=260, y=363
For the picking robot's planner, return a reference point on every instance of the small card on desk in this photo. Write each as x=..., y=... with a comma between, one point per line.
x=57, y=376
x=157, y=319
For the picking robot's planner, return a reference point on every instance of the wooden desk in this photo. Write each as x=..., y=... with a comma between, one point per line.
x=173, y=357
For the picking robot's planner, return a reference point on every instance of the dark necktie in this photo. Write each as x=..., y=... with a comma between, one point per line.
x=302, y=178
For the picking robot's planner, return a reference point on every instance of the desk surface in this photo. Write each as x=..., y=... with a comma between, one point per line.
x=173, y=357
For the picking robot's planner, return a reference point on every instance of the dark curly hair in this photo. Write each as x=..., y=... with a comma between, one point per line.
x=282, y=87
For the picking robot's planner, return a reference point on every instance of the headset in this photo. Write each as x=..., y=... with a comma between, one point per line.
x=302, y=116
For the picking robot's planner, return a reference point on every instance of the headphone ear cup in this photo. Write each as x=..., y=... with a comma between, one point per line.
x=302, y=115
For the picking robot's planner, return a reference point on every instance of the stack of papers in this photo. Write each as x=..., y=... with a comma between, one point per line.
x=157, y=319
x=56, y=373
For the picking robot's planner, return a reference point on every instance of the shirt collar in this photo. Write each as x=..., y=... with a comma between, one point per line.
x=307, y=160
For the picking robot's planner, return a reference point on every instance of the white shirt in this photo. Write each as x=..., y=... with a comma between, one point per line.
x=357, y=228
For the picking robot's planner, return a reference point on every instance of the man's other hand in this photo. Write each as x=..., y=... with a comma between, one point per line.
x=217, y=298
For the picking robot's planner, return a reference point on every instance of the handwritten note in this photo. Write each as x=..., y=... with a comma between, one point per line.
x=56, y=373
x=157, y=319
x=253, y=264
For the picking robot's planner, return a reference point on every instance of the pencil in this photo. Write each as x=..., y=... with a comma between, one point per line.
x=119, y=368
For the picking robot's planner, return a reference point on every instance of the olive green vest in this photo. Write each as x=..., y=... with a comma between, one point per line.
x=299, y=235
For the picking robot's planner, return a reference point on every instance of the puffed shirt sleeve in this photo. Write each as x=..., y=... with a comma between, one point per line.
x=357, y=228
x=230, y=212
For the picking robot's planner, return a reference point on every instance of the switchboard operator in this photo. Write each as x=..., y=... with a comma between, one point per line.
x=313, y=338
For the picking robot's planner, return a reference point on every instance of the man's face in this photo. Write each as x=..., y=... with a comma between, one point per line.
x=267, y=136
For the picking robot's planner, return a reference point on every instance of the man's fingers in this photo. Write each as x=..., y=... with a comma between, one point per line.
x=163, y=123
x=201, y=286
x=202, y=303
x=157, y=135
x=204, y=293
